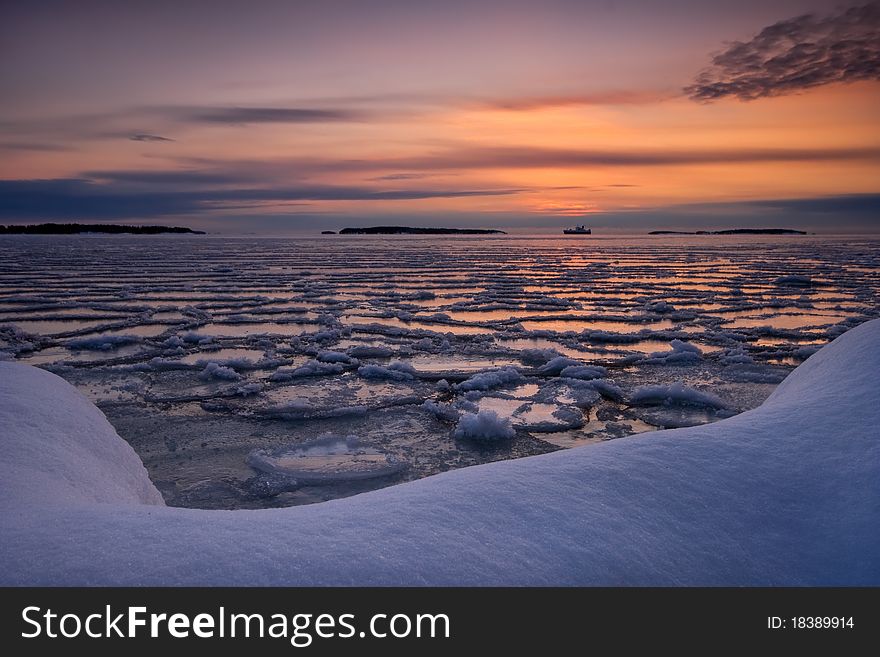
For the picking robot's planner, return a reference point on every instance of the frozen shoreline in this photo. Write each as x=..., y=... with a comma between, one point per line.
x=781, y=495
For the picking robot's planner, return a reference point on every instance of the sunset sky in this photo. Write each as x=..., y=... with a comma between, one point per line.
x=271, y=117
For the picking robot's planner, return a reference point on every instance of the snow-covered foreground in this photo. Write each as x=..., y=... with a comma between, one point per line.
x=210, y=354
x=785, y=494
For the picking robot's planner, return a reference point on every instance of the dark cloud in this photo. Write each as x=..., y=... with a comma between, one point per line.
x=796, y=54
x=143, y=136
x=865, y=204
x=247, y=115
x=80, y=198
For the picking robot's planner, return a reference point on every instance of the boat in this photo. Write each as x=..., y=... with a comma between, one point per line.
x=578, y=230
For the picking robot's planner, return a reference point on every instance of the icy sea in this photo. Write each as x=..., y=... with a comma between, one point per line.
x=265, y=372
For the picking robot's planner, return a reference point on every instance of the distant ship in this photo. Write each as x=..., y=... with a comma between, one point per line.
x=578, y=230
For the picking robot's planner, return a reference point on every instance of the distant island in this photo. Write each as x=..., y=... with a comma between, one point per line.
x=732, y=231
x=75, y=229
x=409, y=230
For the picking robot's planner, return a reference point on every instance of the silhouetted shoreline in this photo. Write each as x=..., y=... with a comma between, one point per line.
x=112, y=229
x=732, y=231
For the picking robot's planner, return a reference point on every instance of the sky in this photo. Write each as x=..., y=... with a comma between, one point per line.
x=280, y=116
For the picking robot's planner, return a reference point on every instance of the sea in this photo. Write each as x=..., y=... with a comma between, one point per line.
x=256, y=372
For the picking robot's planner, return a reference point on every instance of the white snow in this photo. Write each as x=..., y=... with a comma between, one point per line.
x=785, y=494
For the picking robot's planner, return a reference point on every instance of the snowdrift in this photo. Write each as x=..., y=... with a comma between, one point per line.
x=786, y=494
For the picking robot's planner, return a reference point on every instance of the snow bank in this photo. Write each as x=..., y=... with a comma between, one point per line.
x=785, y=494
x=59, y=449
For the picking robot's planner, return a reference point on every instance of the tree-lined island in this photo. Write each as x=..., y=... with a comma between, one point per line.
x=111, y=229
x=410, y=230
x=732, y=231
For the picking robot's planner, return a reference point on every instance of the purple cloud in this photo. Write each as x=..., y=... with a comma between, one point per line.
x=794, y=55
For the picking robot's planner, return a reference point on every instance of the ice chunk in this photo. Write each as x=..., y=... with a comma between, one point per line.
x=491, y=379
x=443, y=412
x=556, y=365
x=396, y=371
x=537, y=356
x=583, y=372
x=102, y=342
x=794, y=280
x=216, y=371
x=334, y=357
x=682, y=353
x=309, y=368
x=325, y=460
x=484, y=426
x=676, y=393
x=366, y=351
x=659, y=307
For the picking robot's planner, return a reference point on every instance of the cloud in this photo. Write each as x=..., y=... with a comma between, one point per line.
x=249, y=115
x=613, y=97
x=82, y=198
x=525, y=157
x=125, y=123
x=143, y=136
x=403, y=176
x=168, y=177
x=868, y=204
x=794, y=55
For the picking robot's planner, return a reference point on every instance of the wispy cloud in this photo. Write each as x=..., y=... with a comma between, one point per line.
x=143, y=136
x=250, y=115
x=611, y=97
x=525, y=157
x=403, y=176
x=128, y=123
x=796, y=54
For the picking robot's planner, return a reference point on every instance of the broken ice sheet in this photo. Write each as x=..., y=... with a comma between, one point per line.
x=452, y=310
x=325, y=460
